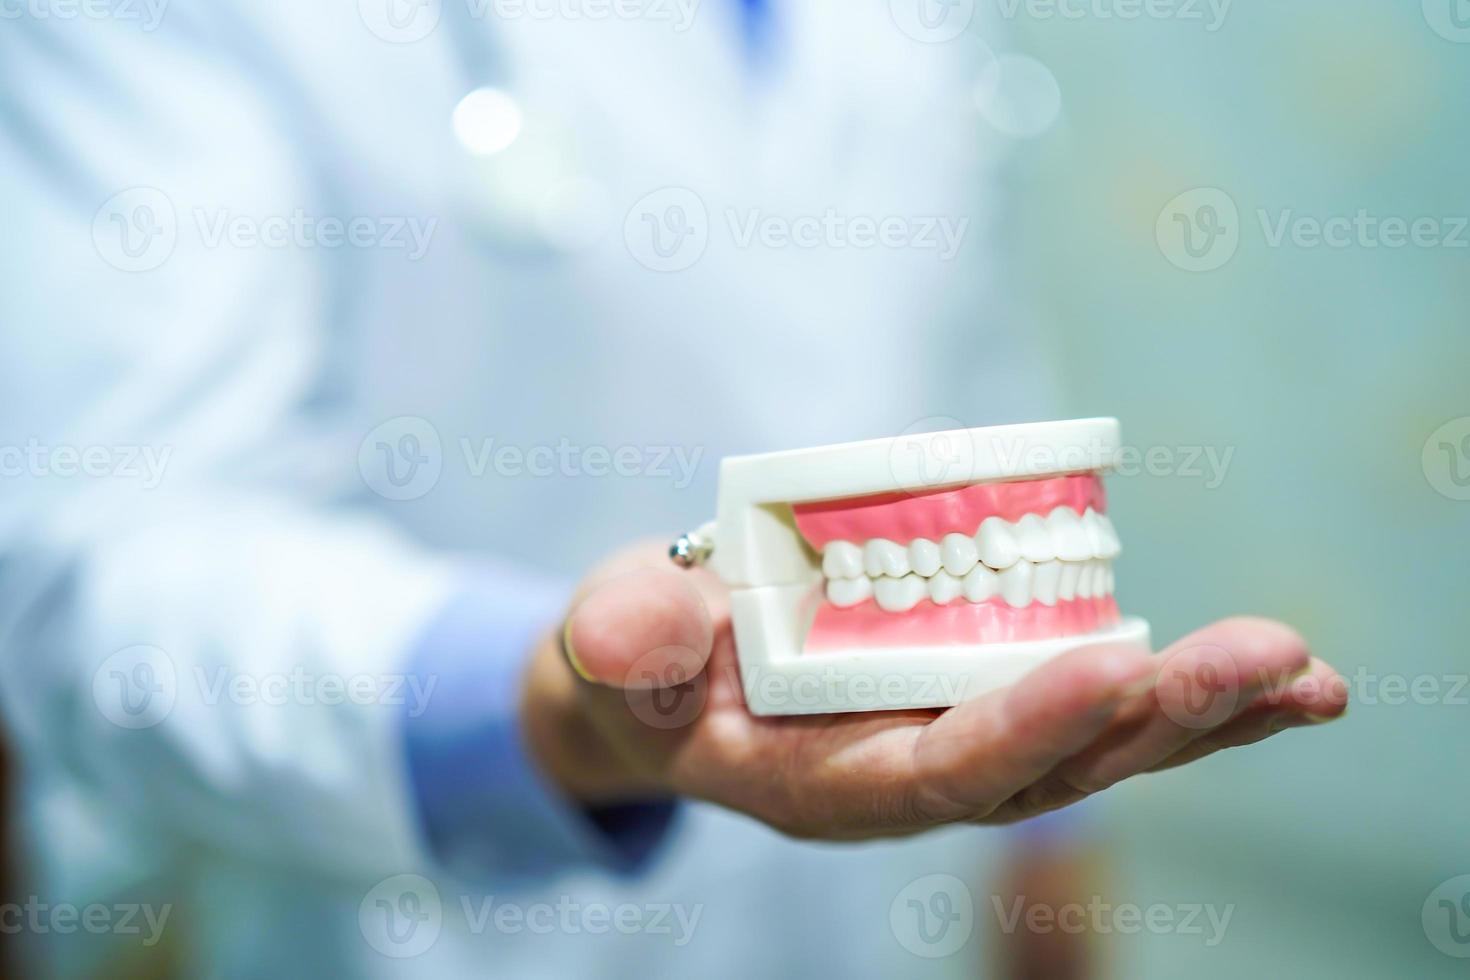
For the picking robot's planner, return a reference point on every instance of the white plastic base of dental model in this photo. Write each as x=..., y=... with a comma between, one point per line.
x=779, y=679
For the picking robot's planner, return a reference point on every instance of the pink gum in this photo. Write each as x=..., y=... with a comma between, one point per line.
x=902, y=517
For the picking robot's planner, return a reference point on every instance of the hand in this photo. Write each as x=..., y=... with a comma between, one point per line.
x=1074, y=726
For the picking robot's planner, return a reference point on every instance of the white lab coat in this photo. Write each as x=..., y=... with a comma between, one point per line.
x=253, y=373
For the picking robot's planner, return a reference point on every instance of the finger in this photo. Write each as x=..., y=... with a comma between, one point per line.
x=1319, y=693
x=1205, y=681
x=646, y=628
x=1304, y=705
x=980, y=753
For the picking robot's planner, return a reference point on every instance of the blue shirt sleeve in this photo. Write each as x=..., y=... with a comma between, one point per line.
x=484, y=807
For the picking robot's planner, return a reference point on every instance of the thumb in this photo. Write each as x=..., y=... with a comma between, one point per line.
x=648, y=628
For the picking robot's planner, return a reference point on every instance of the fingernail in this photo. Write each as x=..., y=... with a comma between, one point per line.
x=570, y=653
x=1298, y=719
x=1141, y=686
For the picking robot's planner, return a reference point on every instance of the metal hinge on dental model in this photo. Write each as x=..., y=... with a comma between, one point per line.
x=693, y=548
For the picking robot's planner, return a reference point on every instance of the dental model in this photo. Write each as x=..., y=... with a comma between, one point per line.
x=918, y=571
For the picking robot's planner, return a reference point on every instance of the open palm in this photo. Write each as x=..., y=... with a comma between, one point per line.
x=660, y=710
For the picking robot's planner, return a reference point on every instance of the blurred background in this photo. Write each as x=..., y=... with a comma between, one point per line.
x=1331, y=372
x=1239, y=228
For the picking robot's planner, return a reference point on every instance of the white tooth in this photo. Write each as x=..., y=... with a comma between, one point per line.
x=1101, y=537
x=1033, y=540
x=899, y=594
x=1015, y=583
x=1086, y=579
x=981, y=583
x=944, y=588
x=996, y=543
x=1107, y=580
x=1099, y=578
x=1048, y=578
x=884, y=557
x=844, y=592
x=842, y=559
x=1067, y=584
x=1111, y=545
x=1068, y=536
x=924, y=556
x=959, y=554
x=1091, y=525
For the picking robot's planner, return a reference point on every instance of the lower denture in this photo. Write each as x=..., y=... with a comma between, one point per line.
x=956, y=624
